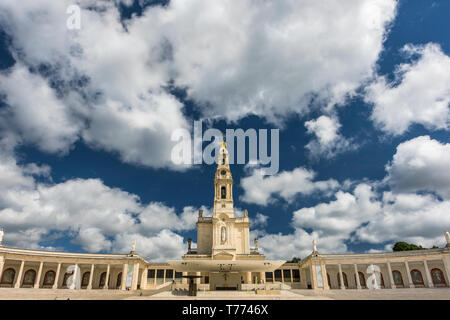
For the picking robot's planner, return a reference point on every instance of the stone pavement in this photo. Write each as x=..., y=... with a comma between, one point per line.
x=382, y=294
x=296, y=294
x=229, y=295
x=62, y=294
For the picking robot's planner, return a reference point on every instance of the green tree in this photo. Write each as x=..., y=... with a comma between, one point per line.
x=294, y=260
x=403, y=246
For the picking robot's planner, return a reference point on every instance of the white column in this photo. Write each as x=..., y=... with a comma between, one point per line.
x=326, y=285
x=74, y=277
x=248, y=277
x=341, y=277
x=91, y=276
x=282, y=275
x=19, y=276
x=107, y=277
x=183, y=280
x=38, y=279
x=428, y=275
x=124, y=276
x=391, y=276
x=408, y=273
x=303, y=281
x=58, y=270
x=447, y=269
x=134, y=281
x=262, y=276
x=313, y=276
x=2, y=264
x=358, y=284
x=144, y=278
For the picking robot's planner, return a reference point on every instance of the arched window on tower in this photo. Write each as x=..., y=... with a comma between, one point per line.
x=224, y=156
x=223, y=192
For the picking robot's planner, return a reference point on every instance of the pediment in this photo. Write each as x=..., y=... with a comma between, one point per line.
x=223, y=255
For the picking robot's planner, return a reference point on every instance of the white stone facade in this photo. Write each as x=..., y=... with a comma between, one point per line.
x=223, y=233
x=20, y=268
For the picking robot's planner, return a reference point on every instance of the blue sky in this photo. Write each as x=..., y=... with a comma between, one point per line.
x=360, y=93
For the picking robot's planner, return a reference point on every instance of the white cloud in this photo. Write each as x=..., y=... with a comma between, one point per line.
x=260, y=220
x=86, y=212
x=106, y=85
x=362, y=216
x=331, y=224
x=270, y=57
x=287, y=184
x=298, y=244
x=141, y=134
x=12, y=176
x=414, y=218
x=256, y=233
x=327, y=139
x=35, y=111
x=29, y=238
x=420, y=94
x=421, y=164
x=92, y=240
x=107, y=82
x=109, y=78
x=160, y=247
x=100, y=218
x=341, y=216
x=157, y=216
x=279, y=246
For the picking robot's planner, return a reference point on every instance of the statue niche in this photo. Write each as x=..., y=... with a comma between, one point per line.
x=223, y=234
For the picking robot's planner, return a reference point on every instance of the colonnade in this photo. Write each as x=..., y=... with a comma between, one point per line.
x=48, y=273
x=409, y=273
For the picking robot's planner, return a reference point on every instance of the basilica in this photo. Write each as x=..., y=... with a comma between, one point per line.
x=223, y=260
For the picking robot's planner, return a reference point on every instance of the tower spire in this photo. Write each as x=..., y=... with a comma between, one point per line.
x=223, y=184
x=224, y=143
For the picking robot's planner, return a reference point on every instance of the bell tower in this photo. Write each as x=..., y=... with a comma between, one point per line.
x=223, y=236
x=223, y=185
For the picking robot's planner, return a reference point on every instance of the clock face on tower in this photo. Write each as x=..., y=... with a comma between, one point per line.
x=223, y=172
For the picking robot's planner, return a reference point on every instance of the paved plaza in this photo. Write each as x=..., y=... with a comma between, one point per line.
x=385, y=294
